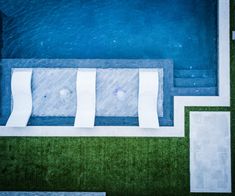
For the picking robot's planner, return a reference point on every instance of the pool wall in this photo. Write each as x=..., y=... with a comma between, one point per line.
x=1, y=30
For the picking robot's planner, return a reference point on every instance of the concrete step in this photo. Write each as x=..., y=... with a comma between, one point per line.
x=195, y=82
x=190, y=73
x=196, y=66
x=196, y=91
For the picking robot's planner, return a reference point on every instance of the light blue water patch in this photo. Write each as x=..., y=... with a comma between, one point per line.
x=54, y=92
x=117, y=92
x=65, y=87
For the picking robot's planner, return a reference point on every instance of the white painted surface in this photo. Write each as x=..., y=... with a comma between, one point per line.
x=98, y=131
x=22, y=98
x=223, y=99
x=148, y=96
x=210, y=155
x=86, y=96
x=224, y=50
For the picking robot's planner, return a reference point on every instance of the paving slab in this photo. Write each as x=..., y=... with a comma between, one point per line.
x=210, y=153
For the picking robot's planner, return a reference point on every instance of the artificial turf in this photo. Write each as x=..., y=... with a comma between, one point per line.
x=117, y=166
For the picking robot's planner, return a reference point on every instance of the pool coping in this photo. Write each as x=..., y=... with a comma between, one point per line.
x=180, y=102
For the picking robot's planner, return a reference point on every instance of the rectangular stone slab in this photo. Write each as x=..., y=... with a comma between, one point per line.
x=54, y=92
x=210, y=152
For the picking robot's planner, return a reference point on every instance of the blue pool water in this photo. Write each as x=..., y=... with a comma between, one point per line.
x=184, y=31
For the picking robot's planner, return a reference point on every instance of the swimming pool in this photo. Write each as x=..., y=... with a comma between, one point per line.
x=183, y=30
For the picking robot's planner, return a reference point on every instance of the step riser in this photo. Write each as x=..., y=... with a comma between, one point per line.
x=212, y=91
x=198, y=66
x=195, y=73
x=195, y=82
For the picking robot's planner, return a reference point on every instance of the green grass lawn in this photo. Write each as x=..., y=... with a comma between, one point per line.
x=118, y=166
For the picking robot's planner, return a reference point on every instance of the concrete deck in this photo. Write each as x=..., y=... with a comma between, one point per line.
x=210, y=153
